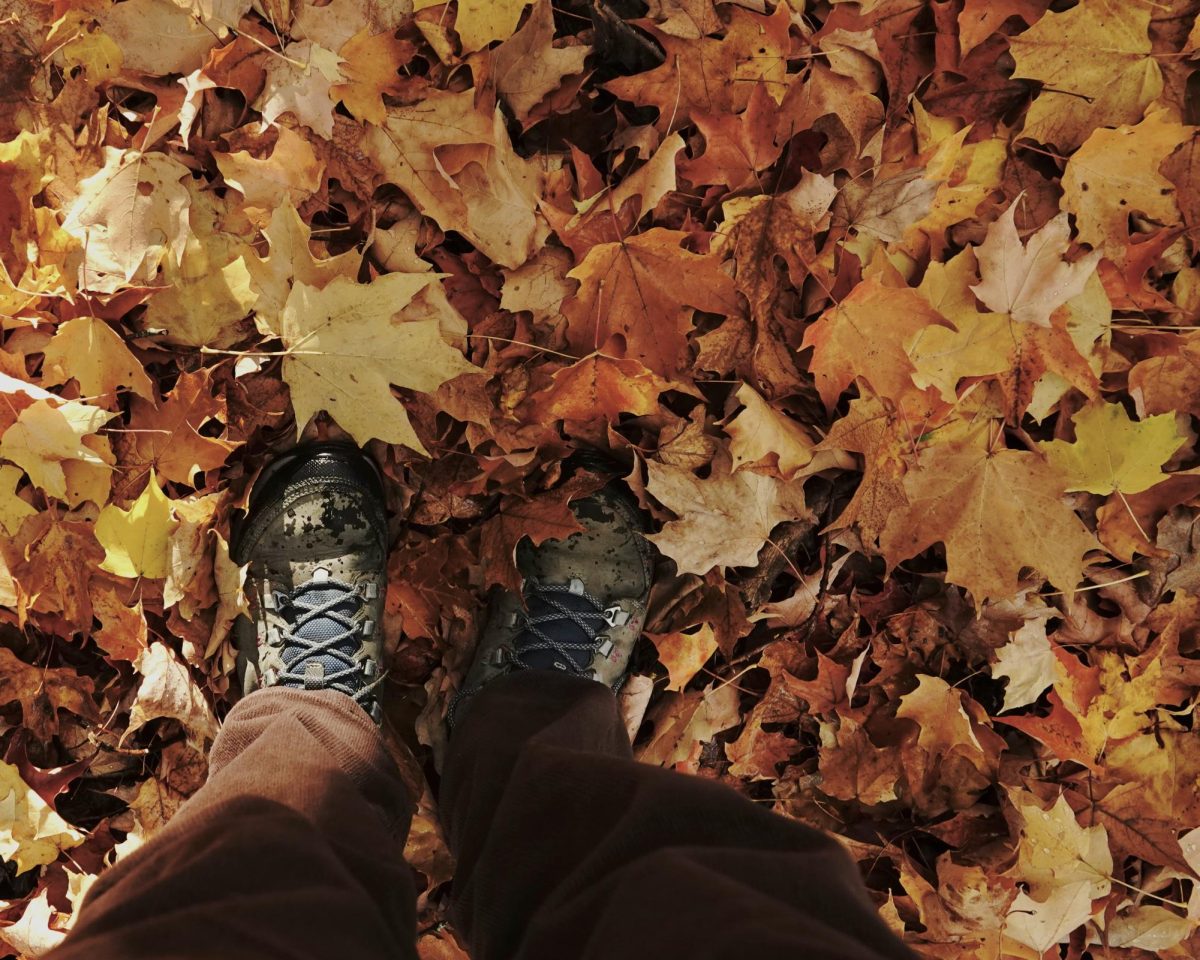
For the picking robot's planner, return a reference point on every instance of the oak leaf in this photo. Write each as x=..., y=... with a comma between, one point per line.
x=1029, y=282
x=1096, y=67
x=636, y=299
x=996, y=512
x=1113, y=453
x=135, y=540
x=348, y=342
x=724, y=519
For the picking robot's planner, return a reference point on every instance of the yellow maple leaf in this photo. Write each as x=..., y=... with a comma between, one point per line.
x=1096, y=67
x=136, y=540
x=348, y=343
x=89, y=351
x=1112, y=452
x=48, y=434
x=479, y=22
x=31, y=833
x=13, y=510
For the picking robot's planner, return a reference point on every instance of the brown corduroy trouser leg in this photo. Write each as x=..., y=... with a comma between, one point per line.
x=566, y=848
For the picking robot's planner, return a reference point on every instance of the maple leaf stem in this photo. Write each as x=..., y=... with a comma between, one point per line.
x=1101, y=586
x=787, y=559
x=1132, y=516
x=522, y=343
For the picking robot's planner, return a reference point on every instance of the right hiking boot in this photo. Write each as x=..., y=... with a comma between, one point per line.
x=582, y=605
x=315, y=539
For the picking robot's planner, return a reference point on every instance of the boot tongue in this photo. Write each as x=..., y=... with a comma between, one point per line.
x=562, y=630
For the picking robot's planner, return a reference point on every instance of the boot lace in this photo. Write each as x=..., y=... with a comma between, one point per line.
x=323, y=629
x=560, y=628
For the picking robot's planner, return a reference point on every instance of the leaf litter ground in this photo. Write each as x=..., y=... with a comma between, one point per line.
x=887, y=311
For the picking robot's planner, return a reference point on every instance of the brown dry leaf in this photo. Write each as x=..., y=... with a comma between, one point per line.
x=599, y=385
x=458, y=167
x=370, y=64
x=724, y=519
x=544, y=517
x=752, y=52
x=684, y=653
x=167, y=690
x=961, y=493
x=1115, y=174
x=762, y=436
x=527, y=67
x=636, y=299
x=348, y=342
x=683, y=722
x=168, y=438
x=42, y=692
x=863, y=337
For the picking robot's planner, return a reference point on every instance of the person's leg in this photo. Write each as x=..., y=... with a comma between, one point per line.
x=567, y=847
x=294, y=848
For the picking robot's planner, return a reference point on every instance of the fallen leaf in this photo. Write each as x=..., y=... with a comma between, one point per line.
x=42, y=692
x=135, y=540
x=1113, y=453
x=1029, y=282
x=129, y=215
x=90, y=352
x=167, y=690
x=636, y=299
x=46, y=436
x=724, y=519
x=346, y=344
x=1096, y=69
x=370, y=64
x=13, y=508
x=961, y=493
x=1027, y=661
x=684, y=653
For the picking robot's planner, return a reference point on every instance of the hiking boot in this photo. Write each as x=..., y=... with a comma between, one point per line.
x=315, y=537
x=582, y=606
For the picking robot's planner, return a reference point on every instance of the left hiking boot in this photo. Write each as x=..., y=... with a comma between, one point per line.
x=315, y=539
x=582, y=605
